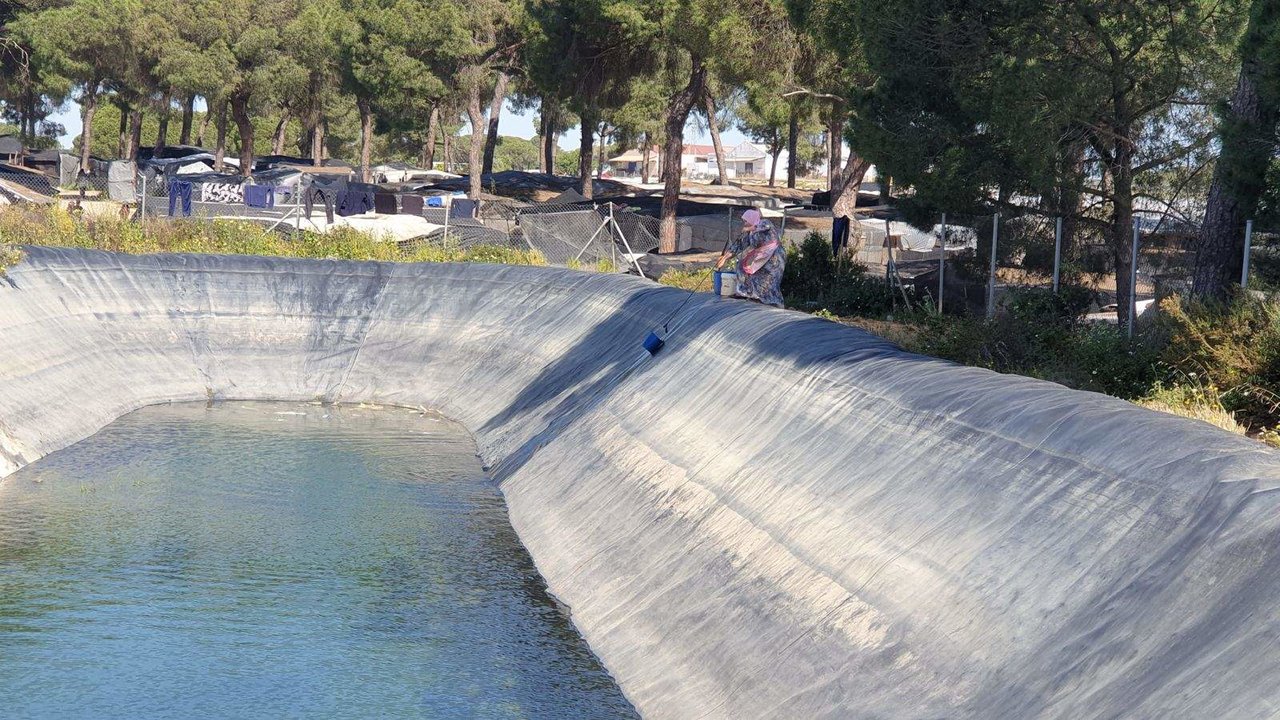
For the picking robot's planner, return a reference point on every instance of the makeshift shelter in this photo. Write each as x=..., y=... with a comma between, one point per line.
x=10, y=148
x=60, y=166
x=170, y=152
x=568, y=197
x=632, y=163
x=394, y=172
x=122, y=181
x=30, y=184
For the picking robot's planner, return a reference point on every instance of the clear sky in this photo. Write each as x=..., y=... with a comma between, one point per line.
x=510, y=124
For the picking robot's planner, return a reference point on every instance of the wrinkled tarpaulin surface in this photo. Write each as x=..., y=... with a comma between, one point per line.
x=891, y=536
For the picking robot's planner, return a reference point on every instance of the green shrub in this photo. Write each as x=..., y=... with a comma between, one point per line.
x=1042, y=306
x=813, y=280
x=1234, y=347
x=1087, y=357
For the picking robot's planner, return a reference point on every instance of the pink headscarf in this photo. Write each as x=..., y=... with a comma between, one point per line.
x=752, y=217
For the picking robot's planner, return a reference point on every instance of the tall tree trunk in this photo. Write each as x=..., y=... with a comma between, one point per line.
x=644, y=167
x=135, y=132
x=677, y=115
x=1248, y=131
x=122, y=148
x=220, y=145
x=429, y=145
x=281, y=133
x=1070, y=193
x=551, y=116
x=89, y=106
x=793, y=134
x=188, y=115
x=773, y=165
x=475, y=159
x=586, y=146
x=317, y=142
x=844, y=198
x=366, y=139
x=448, y=152
x=244, y=126
x=709, y=107
x=495, y=112
x=835, y=144
x=542, y=140
x=604, y=130
x=204, y=125
x=315, y=118
x=1121, y=171
x=162, y=132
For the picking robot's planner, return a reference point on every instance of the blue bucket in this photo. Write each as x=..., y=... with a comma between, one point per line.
x=715, y=281
x=653, y=343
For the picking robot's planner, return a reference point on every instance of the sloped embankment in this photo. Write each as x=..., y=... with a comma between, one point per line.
x=776, y=517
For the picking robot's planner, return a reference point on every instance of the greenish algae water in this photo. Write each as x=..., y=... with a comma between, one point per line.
x=264, y=560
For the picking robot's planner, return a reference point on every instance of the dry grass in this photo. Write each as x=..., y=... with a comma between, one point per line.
x=51, y=226
x=1192, y=401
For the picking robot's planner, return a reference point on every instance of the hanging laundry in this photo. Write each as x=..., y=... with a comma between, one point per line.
x=326, y=197
x=384, y=204
x=354, y=202
x=259, y=196
x=225, y=193
x=179, y=198
x=411, y=204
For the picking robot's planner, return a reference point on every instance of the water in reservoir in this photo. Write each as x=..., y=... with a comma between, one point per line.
x=264, y=560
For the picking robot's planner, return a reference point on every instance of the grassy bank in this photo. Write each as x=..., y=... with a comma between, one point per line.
x=56, y=228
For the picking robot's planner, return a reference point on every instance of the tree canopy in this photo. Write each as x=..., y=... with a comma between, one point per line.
x=1090, y=110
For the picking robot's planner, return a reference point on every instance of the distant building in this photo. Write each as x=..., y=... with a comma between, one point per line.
x=630, y=164
x=10, y=148
x=694, y=160
x=742, y=161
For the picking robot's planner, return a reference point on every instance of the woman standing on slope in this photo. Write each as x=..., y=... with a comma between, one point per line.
x=762, y=261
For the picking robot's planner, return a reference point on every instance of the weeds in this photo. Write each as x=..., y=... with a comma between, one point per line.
x=9, y=256
x=55, y=227
x=687, y=279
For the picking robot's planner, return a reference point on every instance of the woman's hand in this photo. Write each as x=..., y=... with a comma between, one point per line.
x=723, y=258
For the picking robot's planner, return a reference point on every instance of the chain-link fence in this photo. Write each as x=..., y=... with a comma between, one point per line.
x=584, y=234
x=975, y=264
x=966, y=264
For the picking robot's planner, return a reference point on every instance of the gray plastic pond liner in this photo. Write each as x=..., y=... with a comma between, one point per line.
x=776, y=517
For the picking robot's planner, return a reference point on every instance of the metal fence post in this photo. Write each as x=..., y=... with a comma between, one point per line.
x=142, y=204
x=942, y=260
x=991, y=275
x=1248, y=248
x=1057, y=254
x=1133, y=280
